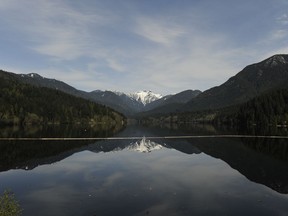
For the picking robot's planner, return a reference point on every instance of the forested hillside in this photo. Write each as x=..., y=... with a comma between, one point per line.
x=252, y=81
x=268, y=109
x=27, y=104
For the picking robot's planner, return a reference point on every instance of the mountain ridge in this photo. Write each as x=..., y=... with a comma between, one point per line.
x=253, y=80
x=250, y=82
x=128, y=104
x=25, y=104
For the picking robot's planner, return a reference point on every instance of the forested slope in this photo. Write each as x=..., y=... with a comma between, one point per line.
x=26, y=104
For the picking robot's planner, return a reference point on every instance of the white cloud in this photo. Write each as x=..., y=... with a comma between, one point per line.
x=279, y=34
x=187, y=62
x=158, y=31
x=283, y=19
x=113, y=64
x=55, y=29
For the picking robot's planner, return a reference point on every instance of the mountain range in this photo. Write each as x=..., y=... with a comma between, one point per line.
x=26, y=104
x=253, y=80
x=128, y=104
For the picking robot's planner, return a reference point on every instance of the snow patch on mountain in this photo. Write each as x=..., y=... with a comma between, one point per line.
x=275, y=60
x=145, y=97
x=35, y=75
x=119, y=93
x=141, y=98
x=31, y=75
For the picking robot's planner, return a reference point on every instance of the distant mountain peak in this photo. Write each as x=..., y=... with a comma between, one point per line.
x=119, y=93
x=145, y=97
x=35, y=75
x=275, y=60
x=32, y=75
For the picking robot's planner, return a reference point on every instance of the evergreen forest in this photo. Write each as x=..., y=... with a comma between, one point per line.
x=24, y=104
x=268, y=109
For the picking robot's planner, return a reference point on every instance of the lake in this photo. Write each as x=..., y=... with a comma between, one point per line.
x=145, y=175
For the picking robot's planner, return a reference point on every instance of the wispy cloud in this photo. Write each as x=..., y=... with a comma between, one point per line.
x=63, y=32
x=279, y=34
x=97, y=45
x=158, y=31
x=55, y=29
x=283, y=19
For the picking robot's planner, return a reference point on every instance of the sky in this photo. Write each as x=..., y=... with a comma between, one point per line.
x=165, y=46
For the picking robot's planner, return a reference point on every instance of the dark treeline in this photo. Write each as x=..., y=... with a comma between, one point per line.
x=25, y=104
x=269, y=109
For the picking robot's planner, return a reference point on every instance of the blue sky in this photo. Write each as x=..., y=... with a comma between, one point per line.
x=128, y=45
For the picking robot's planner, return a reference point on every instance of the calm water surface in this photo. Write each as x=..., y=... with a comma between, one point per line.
x=207, y=176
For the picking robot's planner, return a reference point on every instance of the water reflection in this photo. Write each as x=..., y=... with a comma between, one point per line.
x=210, y=176
x=144, y=146
x=33, y=131
x=272, y=147
x=258, y=167
x=30, y=154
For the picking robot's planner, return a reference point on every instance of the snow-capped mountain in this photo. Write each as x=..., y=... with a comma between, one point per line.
x=145, y=97
x=128, y=104
x=117, y=100
x=252, y=81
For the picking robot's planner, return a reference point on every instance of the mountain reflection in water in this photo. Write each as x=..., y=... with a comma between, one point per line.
x=144, y=146
x=165, y=180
